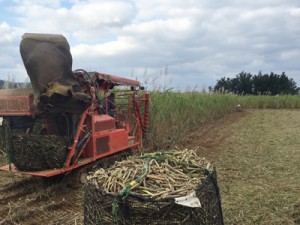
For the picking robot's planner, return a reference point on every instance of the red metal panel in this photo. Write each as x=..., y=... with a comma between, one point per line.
x=89, y=149
x=103, y=122
x=43, y=173
x=46, y=173
x=118, y=140
x=117, y=80
x=16, y=105
x=102, y=145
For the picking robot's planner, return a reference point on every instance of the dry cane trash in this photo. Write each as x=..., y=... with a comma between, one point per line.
x=176, y=187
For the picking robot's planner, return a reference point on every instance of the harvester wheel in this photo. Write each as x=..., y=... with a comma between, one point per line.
x=76, y=178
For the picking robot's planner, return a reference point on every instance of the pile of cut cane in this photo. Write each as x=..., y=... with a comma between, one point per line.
x=155, y=175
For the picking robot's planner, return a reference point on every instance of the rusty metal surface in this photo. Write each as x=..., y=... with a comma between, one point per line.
x=16, y=92
x=16, y=102
x=44, y=173
x=115, y=79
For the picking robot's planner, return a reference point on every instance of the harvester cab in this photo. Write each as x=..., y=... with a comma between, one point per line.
x=56, y=126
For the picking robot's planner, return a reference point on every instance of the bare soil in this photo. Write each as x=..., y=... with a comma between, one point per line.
x=229, y=143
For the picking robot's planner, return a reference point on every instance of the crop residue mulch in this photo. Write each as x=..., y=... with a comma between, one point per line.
x=30, y=200
x=259, y=168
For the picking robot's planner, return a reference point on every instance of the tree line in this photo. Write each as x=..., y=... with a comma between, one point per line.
x=11, y=84
x=260, y=84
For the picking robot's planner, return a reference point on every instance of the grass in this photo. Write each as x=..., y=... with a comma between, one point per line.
x=270, y=102
x=259, y=169
x=174, y=116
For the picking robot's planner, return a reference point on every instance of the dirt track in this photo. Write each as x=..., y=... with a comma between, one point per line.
x=29, y=200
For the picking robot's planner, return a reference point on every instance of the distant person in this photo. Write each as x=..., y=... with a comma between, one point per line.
x=110, y=105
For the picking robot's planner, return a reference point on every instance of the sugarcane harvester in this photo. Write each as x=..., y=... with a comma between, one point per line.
x=68, y=119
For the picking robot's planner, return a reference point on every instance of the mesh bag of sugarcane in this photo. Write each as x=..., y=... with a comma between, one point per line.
x=31, y=152
x=159, y=188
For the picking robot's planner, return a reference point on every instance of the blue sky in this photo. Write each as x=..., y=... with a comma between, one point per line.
x=197, y=42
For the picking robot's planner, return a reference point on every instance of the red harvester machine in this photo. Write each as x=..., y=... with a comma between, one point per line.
x=105, y=127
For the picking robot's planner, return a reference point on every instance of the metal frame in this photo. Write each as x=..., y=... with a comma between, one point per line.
x=127, y=134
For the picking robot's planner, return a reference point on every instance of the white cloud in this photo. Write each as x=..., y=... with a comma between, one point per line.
x=292, y=54
x=295, y=12
x=7, y=34
x=84, y=19
x=111, y=48
x=202, y=40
